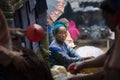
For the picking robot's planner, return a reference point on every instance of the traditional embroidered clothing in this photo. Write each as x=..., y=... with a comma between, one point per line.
x=62, y=54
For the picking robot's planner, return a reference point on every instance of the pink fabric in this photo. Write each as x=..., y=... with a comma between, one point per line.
x=74, y=32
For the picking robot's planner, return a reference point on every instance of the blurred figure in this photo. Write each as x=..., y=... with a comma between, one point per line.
x=18, y=63
x=74, y=32
x=109, y=61
x=62, y=53
x=95, y=32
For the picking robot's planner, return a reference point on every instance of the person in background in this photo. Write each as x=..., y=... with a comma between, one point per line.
x=17, y=32
x=74, y=32
x=109, y=61
x=68, y=39
x=95, y=32
x=61, y=53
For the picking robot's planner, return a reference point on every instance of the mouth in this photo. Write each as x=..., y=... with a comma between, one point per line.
x=62, y=39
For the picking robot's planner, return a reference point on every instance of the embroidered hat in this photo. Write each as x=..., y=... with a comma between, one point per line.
x=58, y=24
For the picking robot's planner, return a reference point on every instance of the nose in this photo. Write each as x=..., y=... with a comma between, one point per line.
x=63, y=35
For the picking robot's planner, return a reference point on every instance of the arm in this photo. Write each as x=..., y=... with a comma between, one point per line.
x=6, y=55
x=62, y=57
x=98, y=61
x=94, y=76
x=17, y=31
x=72, y=52
x=95, y=62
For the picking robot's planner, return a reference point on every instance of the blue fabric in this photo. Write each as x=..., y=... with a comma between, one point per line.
x=32, y=4
x=25, y=22
x=42, y=20
x=51, y=37
x=62, y=54
x=41, y=6
x=23, y=18
x=32, y=20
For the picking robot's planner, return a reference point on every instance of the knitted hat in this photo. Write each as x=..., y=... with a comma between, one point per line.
x=58, y=24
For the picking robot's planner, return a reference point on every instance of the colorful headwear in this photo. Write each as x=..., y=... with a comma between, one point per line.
x=58, y=24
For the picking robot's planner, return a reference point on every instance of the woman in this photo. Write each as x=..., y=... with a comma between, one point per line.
x=62, y=54
x=17, y=63
x=68, y=39
x=109, y=61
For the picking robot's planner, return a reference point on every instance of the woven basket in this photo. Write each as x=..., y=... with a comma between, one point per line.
x=90, y=70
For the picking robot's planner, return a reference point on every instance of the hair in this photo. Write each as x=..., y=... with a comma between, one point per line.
x=55, y=31
x=111, y=6
x=106, y=6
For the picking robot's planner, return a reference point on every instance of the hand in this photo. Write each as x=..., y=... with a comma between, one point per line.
x=5, y=59
x=10, y=53
x=7, y=55
x=18, y=31
x=77, y=67
x=15, y=53
x=19, y=61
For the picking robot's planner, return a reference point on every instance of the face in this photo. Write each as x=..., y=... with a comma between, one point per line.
x=109, y=20
x=61, y=34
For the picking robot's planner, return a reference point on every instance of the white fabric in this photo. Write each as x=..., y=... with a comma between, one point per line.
x=87, y=51
x=112, y=35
